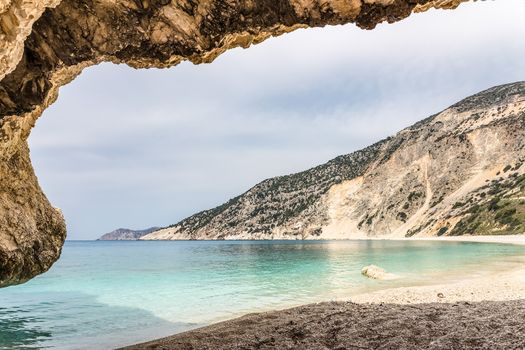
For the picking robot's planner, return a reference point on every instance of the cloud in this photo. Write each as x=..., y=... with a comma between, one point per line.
x=137, y=148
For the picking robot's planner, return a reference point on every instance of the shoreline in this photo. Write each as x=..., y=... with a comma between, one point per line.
x=503, y=239
x=490, y=298
x=505, y=285
x=498, y=239
x=494, y=286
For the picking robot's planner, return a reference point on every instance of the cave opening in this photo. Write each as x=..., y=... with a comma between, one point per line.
x=33, y=231
x=139, y=148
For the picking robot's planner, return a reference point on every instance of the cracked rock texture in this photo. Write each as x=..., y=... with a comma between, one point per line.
x=45, y=43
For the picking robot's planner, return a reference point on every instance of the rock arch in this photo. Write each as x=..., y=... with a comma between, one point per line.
x=44, y=44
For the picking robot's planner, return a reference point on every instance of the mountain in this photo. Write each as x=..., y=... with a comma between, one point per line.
x=457, y=172
x=125, y=234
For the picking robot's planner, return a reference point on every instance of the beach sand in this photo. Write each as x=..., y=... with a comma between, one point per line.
x=493, y=286
x=476, y=313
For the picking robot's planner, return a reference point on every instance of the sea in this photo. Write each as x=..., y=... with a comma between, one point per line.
x=106, y=294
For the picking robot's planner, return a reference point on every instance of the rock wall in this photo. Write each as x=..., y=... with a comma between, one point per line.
x=46, y=43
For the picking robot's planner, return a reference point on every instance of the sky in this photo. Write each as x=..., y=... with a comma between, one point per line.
x=138, y=148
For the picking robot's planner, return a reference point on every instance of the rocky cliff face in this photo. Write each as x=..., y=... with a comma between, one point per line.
x=125, y=234
x=458, y=172
x=44, y=44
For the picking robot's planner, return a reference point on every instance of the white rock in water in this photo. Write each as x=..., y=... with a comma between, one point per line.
x=375, y=272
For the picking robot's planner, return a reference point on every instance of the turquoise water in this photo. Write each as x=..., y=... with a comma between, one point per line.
x=101, y=295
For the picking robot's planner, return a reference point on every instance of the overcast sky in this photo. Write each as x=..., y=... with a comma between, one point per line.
x=138, y=148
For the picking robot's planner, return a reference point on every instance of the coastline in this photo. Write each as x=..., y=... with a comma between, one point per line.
x=494, y=286
x=497, y=297
x=503, y=239
x=499, y=239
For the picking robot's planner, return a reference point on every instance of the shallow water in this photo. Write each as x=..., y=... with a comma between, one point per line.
x=101, y=295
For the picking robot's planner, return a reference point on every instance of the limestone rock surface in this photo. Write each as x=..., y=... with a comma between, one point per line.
x=377, y=273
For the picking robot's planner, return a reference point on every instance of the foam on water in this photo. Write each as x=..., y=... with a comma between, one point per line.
x=106, y=294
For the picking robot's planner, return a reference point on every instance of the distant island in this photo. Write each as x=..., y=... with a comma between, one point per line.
x=125, y=234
